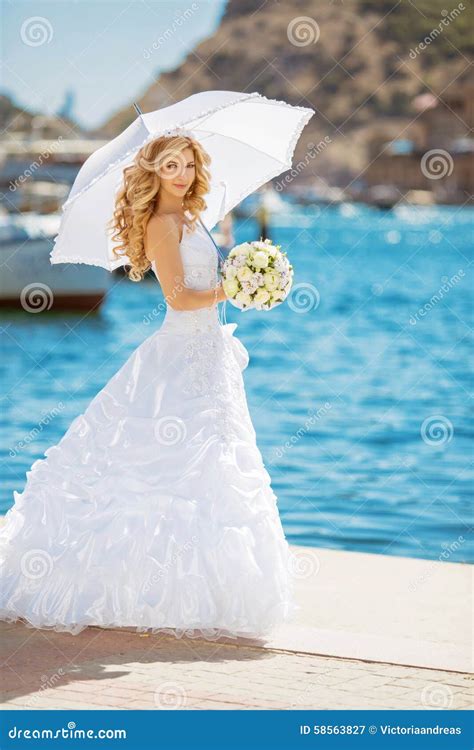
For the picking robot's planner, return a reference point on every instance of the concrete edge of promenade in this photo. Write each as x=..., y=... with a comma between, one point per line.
x=381, y=608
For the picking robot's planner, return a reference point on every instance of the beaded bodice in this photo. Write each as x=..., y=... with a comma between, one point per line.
x=200, y=263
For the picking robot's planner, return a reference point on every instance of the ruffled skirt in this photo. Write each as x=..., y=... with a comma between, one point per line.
x=155, y=510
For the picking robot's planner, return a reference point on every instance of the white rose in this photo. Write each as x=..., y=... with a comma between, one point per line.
x=261, y=245
x=245, y=273
x=280, y=265
x=260, y=259
x=230, y=286
x=244, y=249
x=243, y=299
x=261, y=296
x=231, y=272
x=270, y=280
x=279, y=294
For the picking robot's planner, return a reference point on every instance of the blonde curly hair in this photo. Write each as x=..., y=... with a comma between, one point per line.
x=136, y=199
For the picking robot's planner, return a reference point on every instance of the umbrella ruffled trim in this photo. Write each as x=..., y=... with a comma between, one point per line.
x=53, y=259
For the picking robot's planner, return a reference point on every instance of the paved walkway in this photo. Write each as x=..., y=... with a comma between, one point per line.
x=354, y=646
x=117, y=669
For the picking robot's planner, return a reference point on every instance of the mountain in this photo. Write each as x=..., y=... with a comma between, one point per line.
x=358, y=63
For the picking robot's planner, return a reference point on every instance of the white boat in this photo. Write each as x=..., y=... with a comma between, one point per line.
x=29, y=281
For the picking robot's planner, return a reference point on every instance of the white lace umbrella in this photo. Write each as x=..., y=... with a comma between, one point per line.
x=250, y=139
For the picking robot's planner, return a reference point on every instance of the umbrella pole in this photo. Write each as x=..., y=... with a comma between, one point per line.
x=221, y=258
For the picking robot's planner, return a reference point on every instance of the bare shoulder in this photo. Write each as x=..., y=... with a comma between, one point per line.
x=161, y=229
x=163, y=223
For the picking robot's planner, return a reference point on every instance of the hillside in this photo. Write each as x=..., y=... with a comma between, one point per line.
x=355, y=70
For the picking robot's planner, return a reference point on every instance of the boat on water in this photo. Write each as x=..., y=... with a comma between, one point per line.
x=30, y=282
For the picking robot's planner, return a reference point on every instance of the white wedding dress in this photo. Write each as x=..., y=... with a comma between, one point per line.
x=155, y=510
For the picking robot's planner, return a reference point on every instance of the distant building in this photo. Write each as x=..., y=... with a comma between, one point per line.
x=40, y=163
x=438, y=157
x=66, y=110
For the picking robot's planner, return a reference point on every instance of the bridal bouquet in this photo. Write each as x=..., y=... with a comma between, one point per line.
x=256, y=275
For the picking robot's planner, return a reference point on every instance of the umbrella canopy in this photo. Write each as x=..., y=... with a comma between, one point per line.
x=250, y=139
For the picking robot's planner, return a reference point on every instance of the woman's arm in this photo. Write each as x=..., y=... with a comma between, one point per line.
x=162, y=246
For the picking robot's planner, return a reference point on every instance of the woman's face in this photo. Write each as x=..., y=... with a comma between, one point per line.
x=177, y=172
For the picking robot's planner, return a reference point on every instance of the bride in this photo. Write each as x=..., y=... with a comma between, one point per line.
x=155, y=510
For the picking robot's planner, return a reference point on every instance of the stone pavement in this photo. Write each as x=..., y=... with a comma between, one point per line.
x=125, y=670
x=373, y=632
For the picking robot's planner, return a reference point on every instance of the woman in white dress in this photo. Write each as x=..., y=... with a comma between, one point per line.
x=155, y=509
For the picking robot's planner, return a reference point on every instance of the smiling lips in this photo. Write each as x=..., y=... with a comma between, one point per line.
x=179, y=186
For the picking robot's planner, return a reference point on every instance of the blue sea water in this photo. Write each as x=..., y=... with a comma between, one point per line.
x=358, y=385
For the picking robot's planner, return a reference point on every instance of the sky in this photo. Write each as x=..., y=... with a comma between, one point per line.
x=107, y=52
